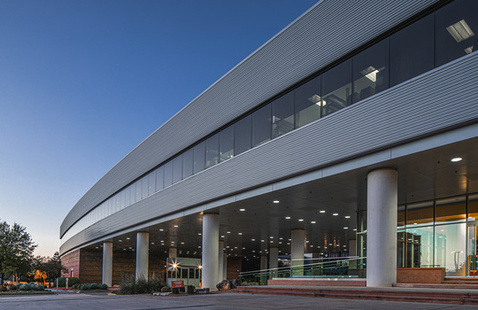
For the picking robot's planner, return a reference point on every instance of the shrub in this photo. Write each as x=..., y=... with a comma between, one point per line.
x=12, y=287
x=103, y=286
x=37, y=287
x=142, y=286
x=93, y=286
x=85, y=287
x=3, y=288
x=25, y=287
x=71, y=281
x=165, y=289
x=76, y=286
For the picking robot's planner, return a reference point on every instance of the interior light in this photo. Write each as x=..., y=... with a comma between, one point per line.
x=370, y=73
x=313, y=222
x=335, y=214
x=253, y=239
x=276, y=201
x=322, y=211
x=228, y=232
x=456, y=159
x=161, y=229
x=199, y=234
x=128, y=238
x=242, y=210
x=347, y=216
x=240, y=234
x=346, y=228
x=272, y=237
x=469, y=49
x=287, y=217
x=176, y=226
x=460, y=31
x=301, y=220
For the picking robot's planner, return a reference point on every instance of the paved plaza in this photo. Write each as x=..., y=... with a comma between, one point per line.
x=227, y=301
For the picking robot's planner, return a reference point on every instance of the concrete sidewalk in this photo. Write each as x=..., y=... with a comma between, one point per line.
x=229, y=301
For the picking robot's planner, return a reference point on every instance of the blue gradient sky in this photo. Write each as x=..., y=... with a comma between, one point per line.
x=83, y=82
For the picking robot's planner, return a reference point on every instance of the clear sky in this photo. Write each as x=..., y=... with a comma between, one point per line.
x=83, y=82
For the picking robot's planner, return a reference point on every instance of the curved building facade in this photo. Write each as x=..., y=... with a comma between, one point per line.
x=334, y=138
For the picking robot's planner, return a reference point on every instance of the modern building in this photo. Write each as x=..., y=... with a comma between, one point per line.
x=352, y=132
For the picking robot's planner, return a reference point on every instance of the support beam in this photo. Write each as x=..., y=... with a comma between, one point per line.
x=107, y=274
x=210, y=250
x=142, y=255
x=382, y=202
x=273, y=260
x=220, y=272
x=297, y=251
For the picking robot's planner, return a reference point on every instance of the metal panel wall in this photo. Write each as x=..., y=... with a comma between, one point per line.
x=438, y=100
x=323, y=34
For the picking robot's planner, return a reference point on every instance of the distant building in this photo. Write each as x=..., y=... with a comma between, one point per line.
x=352, y=132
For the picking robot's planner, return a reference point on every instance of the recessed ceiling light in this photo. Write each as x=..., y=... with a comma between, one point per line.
x=228, y=232
x=272, y=237
x=456, y=159
x=253, y=239
x=128, y=238
x=347, y=216
x=161, y=229
x=120, y=240
x=301, y=220
x=346, y=228
x=199, y=234
x=240, y=234
x=335, y=214
x=287, y=217
x=276, y=201
x=242, y=210
x=182, y=242
x=262, y=240
x=313, y=222
x=322, y=211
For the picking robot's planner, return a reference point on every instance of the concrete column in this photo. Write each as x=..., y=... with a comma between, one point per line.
x=210, y=250
x=220, y=272
x=173, y=252
x=142, y=255
x=382, y=203
x=107, y=275
x=297, y=251
x=264, y=275
x=224, y=272
x=274, y=260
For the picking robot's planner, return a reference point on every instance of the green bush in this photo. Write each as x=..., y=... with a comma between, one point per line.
x=71, y=281
x=76, y=286
x=12, y=287
x=142, y=286
x=103, y=286
x=85, y=287
x=3, y=288
x=37, y=287
x=25, y=287
x=93, y=286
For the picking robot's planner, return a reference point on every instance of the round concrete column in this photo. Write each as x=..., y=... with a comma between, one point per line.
x=264, y=275
x=142, y=255
x=220, y=269
x=297, y=251
x=273, y=260
x=382, y=202
x=107, y=275
x=210, y=250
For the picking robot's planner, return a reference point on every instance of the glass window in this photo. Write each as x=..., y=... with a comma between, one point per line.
x=242, y=135
x=283, y=115
x=261, y=125
x=420, y=213
x=188, y=163
x=420, y=247
x=145, y=185
x=168, y=173
x=337, y=88
x=212, y=151
x=160, y=178
x=226, y=143
x=450, y=210
x=411, y=50
x=456, y=29
x=199, y=155
x=177, y=168
x=473, y=207
x=151, y=182
x=139, y=189
x=371, y=70
x=401, y=216
x=308, y=101
x=450, y=248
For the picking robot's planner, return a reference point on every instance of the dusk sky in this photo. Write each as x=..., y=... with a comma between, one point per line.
x=83, y=82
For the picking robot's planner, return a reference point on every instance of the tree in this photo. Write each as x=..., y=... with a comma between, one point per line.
x=50, y=266
x=16, y=250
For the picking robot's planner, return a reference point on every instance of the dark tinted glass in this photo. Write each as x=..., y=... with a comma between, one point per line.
x=160, y=178
x=188, y=163
x=411, y=51
x=226, y=143
x=168, y=173
x=242, y=135
x=337, y=88
x=199, y=157
x=307, y=102
x=456, y=30
x=139, y=189
x=151, y=183
x=177, y=168
x=371, y=70
x=283, y=115
x=144, y=182
x=261, y=125
x=212, y=151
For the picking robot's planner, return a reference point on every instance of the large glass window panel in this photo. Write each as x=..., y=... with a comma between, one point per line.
x=177, y=168
x=412, y=50
x=337, y=88
x=450, y=210
x=308, y=101
x=242, y=135
x=199, y=157
x=456, y=30
x=420, y=213
x=168, y=173
x=212, y=151
x=160, y=178
x=261, y=125
x=450, y=248
x=401, y=248
x=419, y=247
x=283, y=115
x=226, y=143
x=188, y=163
x=371, y=70
x=145, y=185
x=473, y=207
x=139, y=189
x=151, y=182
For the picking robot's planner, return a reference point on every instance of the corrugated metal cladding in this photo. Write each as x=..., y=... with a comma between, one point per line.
x=437, y=100
x=328, y=31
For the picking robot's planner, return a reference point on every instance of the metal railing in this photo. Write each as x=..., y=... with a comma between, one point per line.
x=336, y=267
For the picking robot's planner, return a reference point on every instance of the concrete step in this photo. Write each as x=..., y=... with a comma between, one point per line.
x=407, y=295
x=461, y=286
x=318, y=282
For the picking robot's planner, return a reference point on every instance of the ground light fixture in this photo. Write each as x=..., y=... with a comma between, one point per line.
x=456, y=159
